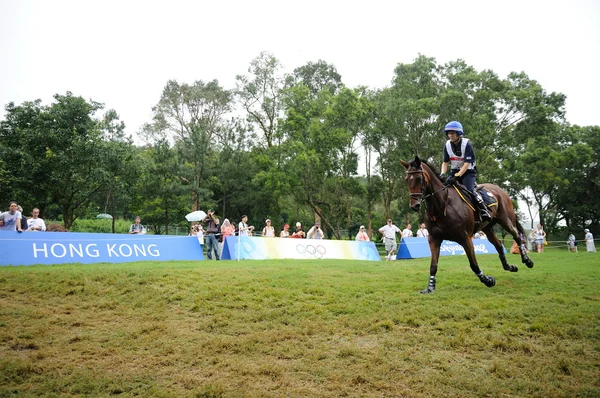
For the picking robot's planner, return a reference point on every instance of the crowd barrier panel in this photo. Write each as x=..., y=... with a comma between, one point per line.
x=246, y=247
x=419, y=247
x=29, y=248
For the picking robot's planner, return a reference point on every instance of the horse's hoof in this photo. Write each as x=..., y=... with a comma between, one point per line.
x=529, y=263
x=514, y=268
x=490, y=281
x=428, y=290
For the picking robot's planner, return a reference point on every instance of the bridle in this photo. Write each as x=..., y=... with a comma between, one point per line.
x=420, y=196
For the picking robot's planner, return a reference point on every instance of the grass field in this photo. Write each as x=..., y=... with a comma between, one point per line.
x=302, y=328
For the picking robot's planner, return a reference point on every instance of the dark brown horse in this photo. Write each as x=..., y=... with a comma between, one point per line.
x=449, y=217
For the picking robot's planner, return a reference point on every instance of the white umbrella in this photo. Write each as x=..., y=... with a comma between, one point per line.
x=104, y=215
x=197, y=215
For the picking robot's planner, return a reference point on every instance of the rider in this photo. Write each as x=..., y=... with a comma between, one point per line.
x=458, y=151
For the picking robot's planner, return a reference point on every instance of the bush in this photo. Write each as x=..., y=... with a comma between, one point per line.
x=100, y=226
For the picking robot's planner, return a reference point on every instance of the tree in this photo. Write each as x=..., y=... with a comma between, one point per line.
x=193, y=117
x=55, y=154
x=260, y=94
x=317, y=76
x=160, y=192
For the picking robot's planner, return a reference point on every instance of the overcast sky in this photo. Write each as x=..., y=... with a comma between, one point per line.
x=122, y=53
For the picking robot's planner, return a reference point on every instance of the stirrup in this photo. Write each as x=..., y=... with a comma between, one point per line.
x=484, y=215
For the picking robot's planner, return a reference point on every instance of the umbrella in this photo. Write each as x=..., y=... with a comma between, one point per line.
x=197, y=215
x=104, y=215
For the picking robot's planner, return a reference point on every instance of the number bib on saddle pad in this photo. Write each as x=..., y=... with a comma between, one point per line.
x=488, y=197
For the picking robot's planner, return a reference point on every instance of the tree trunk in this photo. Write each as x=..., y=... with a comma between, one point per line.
x=324, y=220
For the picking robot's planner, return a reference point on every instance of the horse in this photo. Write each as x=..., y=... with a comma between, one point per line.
x=449, y=217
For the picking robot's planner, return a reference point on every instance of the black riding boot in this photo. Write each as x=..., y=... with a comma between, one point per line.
x=483, y=211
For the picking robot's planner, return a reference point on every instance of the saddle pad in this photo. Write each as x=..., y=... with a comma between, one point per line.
x=487, y=196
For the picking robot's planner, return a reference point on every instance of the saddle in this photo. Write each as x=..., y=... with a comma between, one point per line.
x=488, y=198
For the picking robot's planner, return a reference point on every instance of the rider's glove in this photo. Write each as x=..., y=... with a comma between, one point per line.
x=450, y=180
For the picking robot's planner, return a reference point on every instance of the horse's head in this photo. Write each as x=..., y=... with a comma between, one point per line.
x=417, y=180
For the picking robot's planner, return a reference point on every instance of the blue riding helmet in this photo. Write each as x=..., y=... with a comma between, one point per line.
x=454, y=126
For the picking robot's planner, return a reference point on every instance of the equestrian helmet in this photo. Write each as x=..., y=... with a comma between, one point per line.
x=454, y=126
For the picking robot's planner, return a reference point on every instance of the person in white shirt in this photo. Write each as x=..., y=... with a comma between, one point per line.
x=11, y=220
x=589, y=241
x=422, y=232
x=389, y=237
x=315, y=232
x=407, y=232
x=243, y=227
x=35, y=223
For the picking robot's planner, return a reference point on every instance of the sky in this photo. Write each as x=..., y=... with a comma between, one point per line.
x=122, y=53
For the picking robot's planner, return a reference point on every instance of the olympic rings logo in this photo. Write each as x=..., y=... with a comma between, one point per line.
x=310, y=250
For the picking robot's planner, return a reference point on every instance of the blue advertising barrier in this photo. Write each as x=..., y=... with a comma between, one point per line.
x=255, y=248
x=29, y=248
x=419, y=247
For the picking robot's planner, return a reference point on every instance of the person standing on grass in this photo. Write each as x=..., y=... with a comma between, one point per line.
x=212, y=230
x=389, y=232
x=589, y=241
x=572, y=243
x=540, y=237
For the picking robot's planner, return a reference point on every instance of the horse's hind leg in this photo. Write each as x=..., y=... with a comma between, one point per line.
x=516, y=230
x=487, y=280
x=489, y=231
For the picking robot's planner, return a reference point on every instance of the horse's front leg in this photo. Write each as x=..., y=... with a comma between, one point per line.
x=434, y=247
x=467, y=244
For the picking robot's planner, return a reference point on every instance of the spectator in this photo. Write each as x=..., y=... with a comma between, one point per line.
x=268, y=231
x=198, y=232
x=243, y=227
x=35, y=223
x=540, y=238
x=572, y=243
x=531, y=240
x=315, y=232
x=11, y=220
x=479, y=235
x=211, y=232
x=589, y=241
x=23, y=218
x=227, y=229
x=362, y=235
x=407, y=232
x=285, y=233
x=422, y=232
x=298, y=233
x=137, y=228
x=389, y=237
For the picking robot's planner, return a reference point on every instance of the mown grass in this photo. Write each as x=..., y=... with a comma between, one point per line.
x=301, y=328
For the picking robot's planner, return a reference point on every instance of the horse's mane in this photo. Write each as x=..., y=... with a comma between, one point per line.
x=413, y=163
